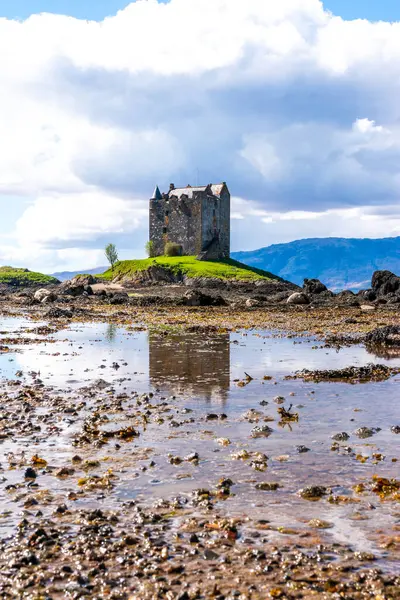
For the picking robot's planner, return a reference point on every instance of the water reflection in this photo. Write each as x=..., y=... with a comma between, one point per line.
x=191, y=364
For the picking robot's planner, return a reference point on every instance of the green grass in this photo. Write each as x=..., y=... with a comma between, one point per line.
x=191, y=267
x=24, y=278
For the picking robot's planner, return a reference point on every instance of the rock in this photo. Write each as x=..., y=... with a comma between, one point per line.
x=85, y=280
x=252, y=303
x=367, y=307
x=384, y=283
x=298, y=298
x=51, y=297
x=395, y=429
x=41, y=294
x=261, y=431
x=30, y=473
x=302, y=449
x=119, y=298
x=70, y=288
x=313, y=286
x=366, y=432
x=341, y=437
x=268, y=486
x=313, y=492
x=197, y=298
x=367, y=295
x=210, y=555
x=384, y=336
x=59, y=313
x=347, y=298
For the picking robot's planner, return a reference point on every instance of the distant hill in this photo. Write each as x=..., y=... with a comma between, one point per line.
x=66, y=275
x=340, y=263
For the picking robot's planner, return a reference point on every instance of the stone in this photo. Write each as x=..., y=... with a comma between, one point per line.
x=41, y=294
x=385, y=282
x=366, y=432
x=314, y=286
x=341, y=437
x=384, y=336
x=298, y=298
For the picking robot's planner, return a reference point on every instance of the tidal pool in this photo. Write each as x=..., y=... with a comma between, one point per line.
x=200, y=387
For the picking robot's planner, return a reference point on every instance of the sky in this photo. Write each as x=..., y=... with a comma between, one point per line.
x=294, y=104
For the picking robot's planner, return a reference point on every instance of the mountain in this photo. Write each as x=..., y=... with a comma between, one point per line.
x=66, y=275
x=340, y=263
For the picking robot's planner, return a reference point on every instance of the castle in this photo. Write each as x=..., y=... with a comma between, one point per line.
x=195, y=218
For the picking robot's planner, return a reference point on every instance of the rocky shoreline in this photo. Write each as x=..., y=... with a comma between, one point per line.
x=77, y=537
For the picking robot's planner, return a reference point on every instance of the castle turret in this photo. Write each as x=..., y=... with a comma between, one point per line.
x=156, y=194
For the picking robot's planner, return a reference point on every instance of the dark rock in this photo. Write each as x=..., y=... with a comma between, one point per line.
x=341, y=437
x=59, y=313
x=302, y=449
x=385, y=282
x=119, y=298
x=384, y=336
x=69, y=288
x=313, y=492
x=314, y=286
x=197, y=298
x=395, y=429
x=366, y=432
x=30, y=473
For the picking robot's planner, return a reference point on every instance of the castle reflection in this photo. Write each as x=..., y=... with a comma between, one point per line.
x=192, y=364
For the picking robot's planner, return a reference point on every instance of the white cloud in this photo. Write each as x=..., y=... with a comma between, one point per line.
x=295, y=108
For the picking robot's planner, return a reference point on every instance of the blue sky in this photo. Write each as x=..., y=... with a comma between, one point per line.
x=386, y=10
x=297, y=111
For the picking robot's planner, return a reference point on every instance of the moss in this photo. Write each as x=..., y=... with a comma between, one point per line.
x=24, y=278
x=190, y=267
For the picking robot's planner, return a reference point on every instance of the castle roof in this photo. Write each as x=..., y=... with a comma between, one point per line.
x=216, y=190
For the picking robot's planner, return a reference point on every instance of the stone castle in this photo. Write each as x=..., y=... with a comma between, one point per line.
x=195, y=218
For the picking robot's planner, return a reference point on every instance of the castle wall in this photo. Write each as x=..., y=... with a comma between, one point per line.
x=216, y=226
x=176, y=220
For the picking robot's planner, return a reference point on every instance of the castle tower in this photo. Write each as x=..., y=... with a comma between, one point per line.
x=196, y=218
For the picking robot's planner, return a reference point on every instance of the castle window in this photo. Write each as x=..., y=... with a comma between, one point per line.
x=166, y=213
x=164, y=230
x=214, y=212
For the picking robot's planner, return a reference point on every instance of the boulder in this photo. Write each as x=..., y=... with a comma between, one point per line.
x=70, y=288
x=314, y=286
x=119, y=298
x=196, y=298
x=385, y=282
x=84, y=280
x=298, y=298
x=41, y=294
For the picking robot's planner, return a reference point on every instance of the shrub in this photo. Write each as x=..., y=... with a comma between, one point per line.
x=173, y=249
x=150, y=249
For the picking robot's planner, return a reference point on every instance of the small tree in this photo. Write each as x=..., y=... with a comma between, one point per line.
x=111, y=253
x=173, y=249
x=150, y=249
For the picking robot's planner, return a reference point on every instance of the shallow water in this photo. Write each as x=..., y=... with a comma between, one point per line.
x=200, y=373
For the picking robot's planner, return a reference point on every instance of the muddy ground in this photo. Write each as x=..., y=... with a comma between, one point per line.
x=67, y=531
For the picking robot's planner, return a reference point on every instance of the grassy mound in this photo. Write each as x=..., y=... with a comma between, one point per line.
x=190, y=267
x=24, y=278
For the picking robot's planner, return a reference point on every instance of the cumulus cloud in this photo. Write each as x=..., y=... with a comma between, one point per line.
x=295, y=108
